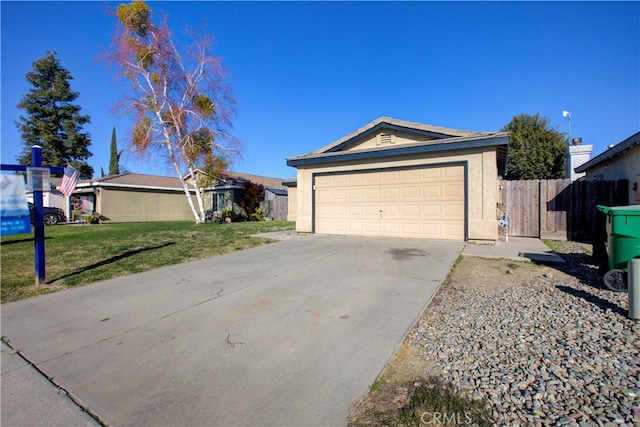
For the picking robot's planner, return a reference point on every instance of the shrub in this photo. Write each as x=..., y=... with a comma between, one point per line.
x=258, y=215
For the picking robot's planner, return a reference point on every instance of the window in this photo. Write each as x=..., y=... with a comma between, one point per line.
x=218, y=202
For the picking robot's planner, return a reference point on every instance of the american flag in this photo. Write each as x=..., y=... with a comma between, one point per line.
x=69, y=181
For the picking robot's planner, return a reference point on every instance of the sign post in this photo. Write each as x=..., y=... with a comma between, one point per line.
x=38, y=217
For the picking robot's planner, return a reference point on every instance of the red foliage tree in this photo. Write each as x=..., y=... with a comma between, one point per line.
x=250, y=197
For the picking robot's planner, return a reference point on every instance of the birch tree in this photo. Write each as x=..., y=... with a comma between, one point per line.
x=179, y=97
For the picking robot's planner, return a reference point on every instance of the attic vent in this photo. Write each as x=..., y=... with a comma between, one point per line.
x=385, y=138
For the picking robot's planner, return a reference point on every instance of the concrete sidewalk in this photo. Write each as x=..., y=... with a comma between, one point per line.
x=518, y=248
x=285, y=334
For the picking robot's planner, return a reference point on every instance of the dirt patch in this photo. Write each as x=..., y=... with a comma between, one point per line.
x=490, y=274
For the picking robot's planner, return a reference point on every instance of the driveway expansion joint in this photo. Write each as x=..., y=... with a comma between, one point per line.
x=76, y=401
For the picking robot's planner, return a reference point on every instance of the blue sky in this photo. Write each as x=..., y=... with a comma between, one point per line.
x=307, y=73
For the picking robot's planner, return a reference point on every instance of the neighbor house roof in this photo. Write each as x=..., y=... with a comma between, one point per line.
x=266, y=181
x=156, y=182
x=277, y=191
x=628, y=144
x=134, y=180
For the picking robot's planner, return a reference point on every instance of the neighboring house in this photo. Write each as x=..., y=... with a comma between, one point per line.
x=401, y=179
x=622, y=161
x=224, y=194
x=132, y=197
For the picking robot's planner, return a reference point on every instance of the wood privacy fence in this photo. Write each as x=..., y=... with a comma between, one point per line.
x=560, y=209
x=276, y=208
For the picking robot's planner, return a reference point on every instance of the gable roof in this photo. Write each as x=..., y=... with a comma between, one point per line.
x=390, y=123
x=445, y=140
x=628, y=144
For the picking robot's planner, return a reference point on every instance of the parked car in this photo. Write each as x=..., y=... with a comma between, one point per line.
x=52, y=216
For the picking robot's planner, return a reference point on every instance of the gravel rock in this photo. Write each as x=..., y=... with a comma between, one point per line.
x=548, y=352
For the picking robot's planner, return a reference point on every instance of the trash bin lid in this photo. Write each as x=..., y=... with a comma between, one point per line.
x=631, y=210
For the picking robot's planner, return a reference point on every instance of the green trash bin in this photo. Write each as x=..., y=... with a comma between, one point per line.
x=623, y=243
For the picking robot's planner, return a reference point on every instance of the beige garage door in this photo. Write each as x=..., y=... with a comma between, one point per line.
x=420, y=203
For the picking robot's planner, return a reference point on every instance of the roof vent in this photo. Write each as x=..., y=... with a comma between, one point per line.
x=385, y=138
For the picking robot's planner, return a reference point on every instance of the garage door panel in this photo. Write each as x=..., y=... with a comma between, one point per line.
x=372, y=193
x=453, y=191
x=413, y=211
x=391, y=192
x=371, y=227
x=453, y=211
x=411, y=192
x=423, y=203
x=372, y=178
x=411, y=175
x=391, y=177
x=431, y=191
x=454, y=172
x=355, y=179
x=431, y=173
x=356, y=195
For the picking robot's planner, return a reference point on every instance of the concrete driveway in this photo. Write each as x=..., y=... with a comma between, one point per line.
x=285, y=334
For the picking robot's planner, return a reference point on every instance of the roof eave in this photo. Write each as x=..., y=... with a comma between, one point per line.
x=458, y=144
x=95, y=184
x=625, y=145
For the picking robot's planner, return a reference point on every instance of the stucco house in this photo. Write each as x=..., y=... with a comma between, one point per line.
x=224, y=193
x=622, y=161
x=132, y=197
x=401, y=179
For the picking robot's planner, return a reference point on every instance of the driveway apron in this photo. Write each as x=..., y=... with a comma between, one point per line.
x=286, y=334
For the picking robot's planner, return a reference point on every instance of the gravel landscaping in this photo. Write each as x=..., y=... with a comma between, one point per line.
x=553, y=349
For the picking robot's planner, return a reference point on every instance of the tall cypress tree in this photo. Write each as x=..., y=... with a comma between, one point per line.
x=52, y=121
x=114, y=160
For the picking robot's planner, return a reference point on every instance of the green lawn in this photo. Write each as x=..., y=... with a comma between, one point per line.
x=78, y=255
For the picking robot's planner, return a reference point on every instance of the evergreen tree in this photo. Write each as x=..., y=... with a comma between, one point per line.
x=536, y=150
x=114, y=160
x=52, y=121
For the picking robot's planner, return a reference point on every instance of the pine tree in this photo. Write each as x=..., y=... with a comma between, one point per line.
x=114, y=160
x=52, y=121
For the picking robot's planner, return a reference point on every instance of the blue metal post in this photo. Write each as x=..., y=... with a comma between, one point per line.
x=38, y=217
x=38, y=222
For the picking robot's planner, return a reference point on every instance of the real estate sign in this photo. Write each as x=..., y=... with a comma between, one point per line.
x=14, y=210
